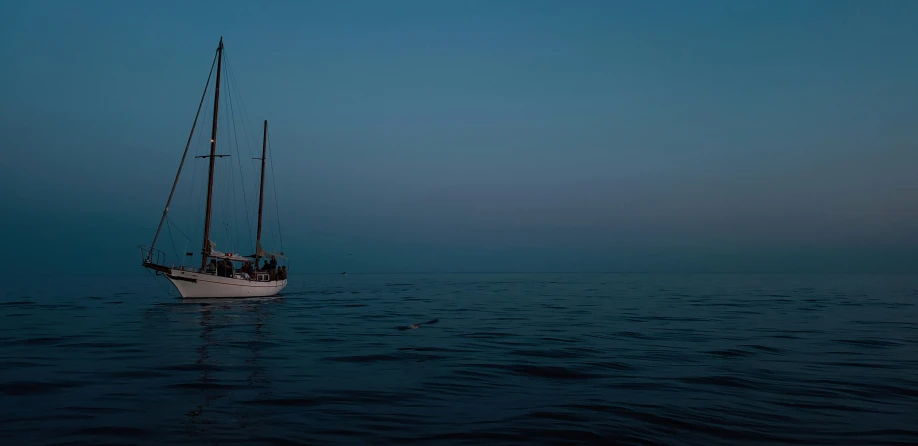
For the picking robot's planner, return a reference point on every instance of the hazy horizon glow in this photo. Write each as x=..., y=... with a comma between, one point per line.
x=479, y=136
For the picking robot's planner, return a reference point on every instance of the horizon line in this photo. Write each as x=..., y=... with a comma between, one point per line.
x=380, y=273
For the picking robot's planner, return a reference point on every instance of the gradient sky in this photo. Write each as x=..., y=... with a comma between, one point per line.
x=496, y=135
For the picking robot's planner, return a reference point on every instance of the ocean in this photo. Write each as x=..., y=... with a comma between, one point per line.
x=499, y=359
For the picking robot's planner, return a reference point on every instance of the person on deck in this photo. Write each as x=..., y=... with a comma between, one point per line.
x=248, y=269
x=228, y=270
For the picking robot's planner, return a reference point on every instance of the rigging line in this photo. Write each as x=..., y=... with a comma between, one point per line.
x=194, y=173
x=225, y=240
x=218, y=201
x=230, y=218
x=229, y=240
x=245, y=201
x=225, y=207
x=196, y=217
x=184, y=154
x=181, y=232
x=224, y=197
x=169, y=293
x=191, y=196
x=249, y=136
x=231, y=78
x=232, y=181
x=196, y=197
x=235, y=214
x=239, y=102
x=269, y=229
x=169, y=230
x=276, y=207
x=197, y=194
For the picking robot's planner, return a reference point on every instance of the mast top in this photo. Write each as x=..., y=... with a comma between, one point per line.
x=221, y=42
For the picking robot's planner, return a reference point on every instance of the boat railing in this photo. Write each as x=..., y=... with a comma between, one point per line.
x=152, y=255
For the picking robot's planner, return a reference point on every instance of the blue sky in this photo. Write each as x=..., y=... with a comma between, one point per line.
x=477, y=135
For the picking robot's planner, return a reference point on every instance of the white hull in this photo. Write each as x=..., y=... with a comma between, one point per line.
x=192, y=284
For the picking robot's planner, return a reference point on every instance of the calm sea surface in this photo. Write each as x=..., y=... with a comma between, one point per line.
x=517, y=358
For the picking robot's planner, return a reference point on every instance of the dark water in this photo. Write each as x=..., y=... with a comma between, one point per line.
x=524, y=359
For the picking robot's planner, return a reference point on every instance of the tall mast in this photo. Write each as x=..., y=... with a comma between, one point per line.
x=213, y=156
x=184, y=154
x=261, y=192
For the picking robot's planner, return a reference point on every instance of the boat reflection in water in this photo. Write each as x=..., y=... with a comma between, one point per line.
x=228, y=325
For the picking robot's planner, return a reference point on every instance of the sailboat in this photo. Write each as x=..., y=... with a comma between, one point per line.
x=221, y=274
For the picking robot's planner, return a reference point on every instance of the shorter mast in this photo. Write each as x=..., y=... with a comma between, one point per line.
x=261, y=193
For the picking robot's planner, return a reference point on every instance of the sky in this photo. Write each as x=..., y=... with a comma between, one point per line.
x=469, y=136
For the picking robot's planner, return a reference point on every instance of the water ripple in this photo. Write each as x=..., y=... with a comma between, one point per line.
x=511, y=359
